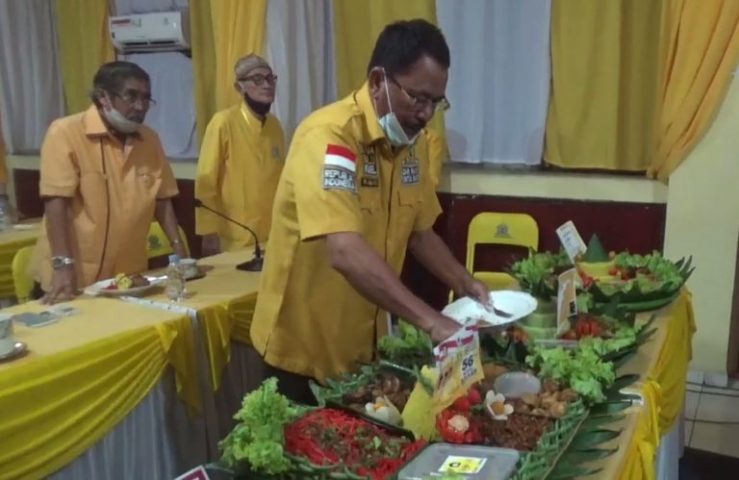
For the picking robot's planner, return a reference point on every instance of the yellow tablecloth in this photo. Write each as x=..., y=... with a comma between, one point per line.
x=224, y=301
x=10, y=242
x=662, y=363
x=82, y=376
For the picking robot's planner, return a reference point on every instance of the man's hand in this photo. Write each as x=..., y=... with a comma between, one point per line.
x=211, y=245
x=63, y=286
x=443, y=328
x=474, y=288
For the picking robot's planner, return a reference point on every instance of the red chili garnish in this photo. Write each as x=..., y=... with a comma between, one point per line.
x=474, y=396
x=330, y=437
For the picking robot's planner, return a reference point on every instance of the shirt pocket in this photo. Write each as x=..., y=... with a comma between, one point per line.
x=145, y=178
x=369, y=199
x=408, y=205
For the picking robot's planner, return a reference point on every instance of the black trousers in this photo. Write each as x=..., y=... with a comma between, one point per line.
x=293, y=386
x=37, y=292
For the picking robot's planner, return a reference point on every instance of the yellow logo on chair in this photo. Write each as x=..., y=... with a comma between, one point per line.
x=501, y=231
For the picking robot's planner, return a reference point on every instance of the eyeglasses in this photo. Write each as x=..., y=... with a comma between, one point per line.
x=423, y=101
x=259, y=79
x=132, y=97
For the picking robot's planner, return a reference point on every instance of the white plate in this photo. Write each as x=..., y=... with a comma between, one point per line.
x=518, y=304
x=98, y=288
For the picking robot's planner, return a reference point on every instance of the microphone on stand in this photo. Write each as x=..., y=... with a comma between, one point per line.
x=253, y=265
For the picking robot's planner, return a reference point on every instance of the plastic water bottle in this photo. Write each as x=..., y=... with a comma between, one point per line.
x=175, y=289
x=6, y=222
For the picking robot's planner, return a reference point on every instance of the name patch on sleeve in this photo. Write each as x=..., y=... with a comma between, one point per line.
x=338, y=178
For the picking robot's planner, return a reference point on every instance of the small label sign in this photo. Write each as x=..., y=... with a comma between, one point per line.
x=571, y=240
x=566, y=300
x=468, y=465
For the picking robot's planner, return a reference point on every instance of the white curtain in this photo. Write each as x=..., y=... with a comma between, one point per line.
x=173, y=116
x=30, y=80
x=300, y=51
x=499, y=79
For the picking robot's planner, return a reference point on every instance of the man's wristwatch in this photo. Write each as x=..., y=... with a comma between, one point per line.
x=60, y=262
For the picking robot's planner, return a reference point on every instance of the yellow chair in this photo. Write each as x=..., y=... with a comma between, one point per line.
x=497, y=228
x=158, y=244
x=22, y=280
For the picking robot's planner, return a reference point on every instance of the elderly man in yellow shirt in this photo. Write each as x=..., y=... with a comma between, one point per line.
x=355, y=194
x=241, y=159
x=104, y=178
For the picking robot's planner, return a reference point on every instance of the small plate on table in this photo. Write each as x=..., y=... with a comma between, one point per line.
x=516, y=306
x=103, y=288
x=19, y=349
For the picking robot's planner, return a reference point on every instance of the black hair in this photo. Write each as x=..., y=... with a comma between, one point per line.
x=111, y=76
x=403, y=43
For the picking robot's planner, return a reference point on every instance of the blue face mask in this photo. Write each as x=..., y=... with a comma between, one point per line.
x=392, y=127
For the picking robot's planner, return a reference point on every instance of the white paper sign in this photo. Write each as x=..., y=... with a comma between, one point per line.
x=571, y=240
x=566, y=300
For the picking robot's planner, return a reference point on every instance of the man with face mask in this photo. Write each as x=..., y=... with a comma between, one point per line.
x=241, y=159
x=355, y=194
x=104, y=178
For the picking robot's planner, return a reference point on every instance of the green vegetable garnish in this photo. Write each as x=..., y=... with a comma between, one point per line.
x=259, y=437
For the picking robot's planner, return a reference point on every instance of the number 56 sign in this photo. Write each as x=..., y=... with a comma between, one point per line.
x=459, y=365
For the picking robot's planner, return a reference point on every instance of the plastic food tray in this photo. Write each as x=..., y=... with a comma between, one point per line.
x=468, y=461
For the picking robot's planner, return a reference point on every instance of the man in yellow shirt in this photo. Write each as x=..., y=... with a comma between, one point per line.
x=241, y=159
x=354, y=195
x=104, y=178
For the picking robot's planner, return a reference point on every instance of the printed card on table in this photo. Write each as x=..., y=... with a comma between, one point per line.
x=571, y=240
x=566, y=300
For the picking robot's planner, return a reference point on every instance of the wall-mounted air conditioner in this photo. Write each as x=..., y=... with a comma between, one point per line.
x=150, y=32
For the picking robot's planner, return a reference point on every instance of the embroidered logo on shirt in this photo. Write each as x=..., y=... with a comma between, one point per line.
x=410, y=172
x=369, y=161
x=338, y=178
x=370, y=182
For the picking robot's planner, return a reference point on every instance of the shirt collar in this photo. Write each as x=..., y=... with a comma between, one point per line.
x=94, y=125
x=364, y=102
x=251, y=118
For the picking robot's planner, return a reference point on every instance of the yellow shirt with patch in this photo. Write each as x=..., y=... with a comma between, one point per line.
x=309, y=320
x=240, y=163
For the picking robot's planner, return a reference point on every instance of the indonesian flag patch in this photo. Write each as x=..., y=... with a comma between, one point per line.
x=339, y=168
x=340, y=156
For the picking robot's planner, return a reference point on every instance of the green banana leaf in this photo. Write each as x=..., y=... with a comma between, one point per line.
x=608, y=408
x=595, y=252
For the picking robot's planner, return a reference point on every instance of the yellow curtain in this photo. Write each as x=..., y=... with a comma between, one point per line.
x=222, y=31
x=203, y=63
x=700, y=50
x=239, y=28
x=604, y=65
x=356, y=27
x=84, y=45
